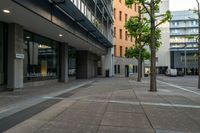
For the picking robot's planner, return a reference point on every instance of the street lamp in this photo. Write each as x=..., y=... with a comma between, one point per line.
x=198, y=18
x=185, y=58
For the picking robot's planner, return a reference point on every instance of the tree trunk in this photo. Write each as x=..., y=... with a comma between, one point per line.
x=198, y=44
x=153, y=50
x=139, y=67
x=140, y=50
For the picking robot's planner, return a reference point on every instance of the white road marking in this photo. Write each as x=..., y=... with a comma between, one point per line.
x=148, y=103
x=179, y=87
x=56, y=98
x=172, y=105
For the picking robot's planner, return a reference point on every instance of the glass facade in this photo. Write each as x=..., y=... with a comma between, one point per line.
x=72, y=62
x=41, y=60
x=2, y=53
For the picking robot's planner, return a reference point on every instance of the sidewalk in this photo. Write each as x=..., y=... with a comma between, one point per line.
x=14, y=101
x=118, y=105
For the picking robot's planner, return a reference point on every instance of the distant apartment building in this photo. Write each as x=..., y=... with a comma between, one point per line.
x=122, y=40
x=46, y=41
x=183, y=41
x=163, y=53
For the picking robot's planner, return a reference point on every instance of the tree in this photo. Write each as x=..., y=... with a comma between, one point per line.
x=137, y=52
x=150, y=7
x=135, y=26
x=134, y=52
x=142, y=38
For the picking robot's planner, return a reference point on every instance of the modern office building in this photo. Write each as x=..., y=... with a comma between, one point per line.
x=121, y=39
x=45, y=41
x=163, y=53
x=183, y=41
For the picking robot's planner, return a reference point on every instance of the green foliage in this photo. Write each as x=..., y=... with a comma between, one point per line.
x=134, y=52
x=145, y=33
x=150, y=7
x=129, y=3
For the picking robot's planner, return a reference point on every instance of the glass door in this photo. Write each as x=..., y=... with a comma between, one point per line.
x=1, y=54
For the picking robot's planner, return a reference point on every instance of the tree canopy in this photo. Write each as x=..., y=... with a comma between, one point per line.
x=132, y=26
x=150, y=7
x=135, y=51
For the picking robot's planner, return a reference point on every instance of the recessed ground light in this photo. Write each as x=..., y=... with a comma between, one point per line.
x=60, y=35
x=28, y=37
x=6, y=11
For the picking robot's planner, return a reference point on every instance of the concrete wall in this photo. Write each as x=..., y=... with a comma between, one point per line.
x=86, y=64
x=125, y=61
x=163, y=53
x=15, y=65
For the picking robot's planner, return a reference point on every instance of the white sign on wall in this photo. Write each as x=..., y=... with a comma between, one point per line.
x=19, y=56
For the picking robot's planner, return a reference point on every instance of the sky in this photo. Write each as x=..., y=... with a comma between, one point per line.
x=176, y=5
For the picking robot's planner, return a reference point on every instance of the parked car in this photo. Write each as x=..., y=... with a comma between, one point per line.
x=180, y=73
x=171, y=72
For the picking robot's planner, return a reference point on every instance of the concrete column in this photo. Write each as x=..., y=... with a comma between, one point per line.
x=108, y=62
x=64, y=63
x=86, y=65
x=15, y=56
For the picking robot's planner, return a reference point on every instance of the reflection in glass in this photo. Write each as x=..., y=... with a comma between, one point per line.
x=72, y=62
x=41, y=58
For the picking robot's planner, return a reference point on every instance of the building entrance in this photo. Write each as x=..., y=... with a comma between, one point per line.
x=2, y=56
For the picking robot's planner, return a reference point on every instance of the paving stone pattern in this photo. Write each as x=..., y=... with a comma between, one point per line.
x=118, y=105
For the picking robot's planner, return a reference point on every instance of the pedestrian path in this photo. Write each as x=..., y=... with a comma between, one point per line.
x=15, y=101
x=117, y=105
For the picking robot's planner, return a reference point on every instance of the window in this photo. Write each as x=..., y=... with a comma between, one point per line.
x=175, y=31
x=156, y=59
x=115, y=50
x=114, y=13
x=126, y=17
x=133, y=69
x=126, y=35
x=193, y=30
x=194, y=22
x=2, y=53
x=175, y=23
x=83, y=7
x=120, y=15
x=139, y=8
x=41, y=58
x=71, y=61
x=120, y=33
x=114, y=31
x=120, y=51
x=136, y=69
x=135, y=7
x=118, y=68
x=126, y=49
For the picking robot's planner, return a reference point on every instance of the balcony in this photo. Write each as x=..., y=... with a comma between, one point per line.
x=85, y=18
x=184, y=34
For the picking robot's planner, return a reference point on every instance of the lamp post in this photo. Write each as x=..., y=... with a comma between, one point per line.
x=185, y=58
